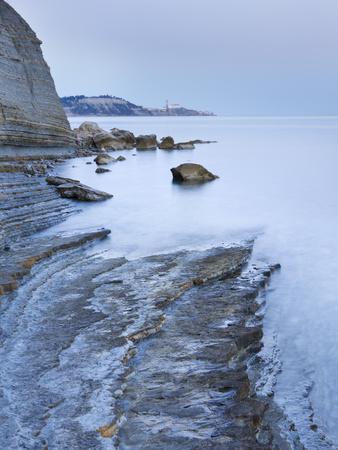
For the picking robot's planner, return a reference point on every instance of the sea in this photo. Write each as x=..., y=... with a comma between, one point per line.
x=278, y=185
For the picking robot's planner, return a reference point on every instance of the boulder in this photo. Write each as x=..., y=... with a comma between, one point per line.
x=121, y=158
x=125, y=136
x=146, y=142
x=104, y=158
x=89, y=129
x=69, y=188
x=192, y=172
x=167, y=143
x=105, y=140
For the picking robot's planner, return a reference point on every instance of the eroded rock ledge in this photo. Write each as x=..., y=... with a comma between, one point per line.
x=72, y=328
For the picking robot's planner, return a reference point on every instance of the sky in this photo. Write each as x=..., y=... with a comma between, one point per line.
x=234, y=57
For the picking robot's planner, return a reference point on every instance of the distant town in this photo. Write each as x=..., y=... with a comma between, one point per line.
x=108, y=105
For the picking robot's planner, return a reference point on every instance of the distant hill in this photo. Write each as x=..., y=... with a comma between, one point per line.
x=106, y=105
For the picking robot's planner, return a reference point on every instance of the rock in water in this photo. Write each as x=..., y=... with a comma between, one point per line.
x=146, y=142
x=69, y=188
x=32, y=119
x=192, y=172
x=167, y=143
x=103, y=158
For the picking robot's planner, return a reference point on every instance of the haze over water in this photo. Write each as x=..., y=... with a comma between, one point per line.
x=278, y=184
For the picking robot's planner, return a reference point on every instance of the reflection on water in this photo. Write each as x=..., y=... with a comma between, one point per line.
x=278, y=182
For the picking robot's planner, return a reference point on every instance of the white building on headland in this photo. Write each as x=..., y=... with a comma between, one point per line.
x=172, y=106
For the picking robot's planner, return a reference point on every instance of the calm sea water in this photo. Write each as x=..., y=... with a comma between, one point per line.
x=279, y=184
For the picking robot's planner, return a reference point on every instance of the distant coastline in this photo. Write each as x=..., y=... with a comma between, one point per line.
x=107, y=105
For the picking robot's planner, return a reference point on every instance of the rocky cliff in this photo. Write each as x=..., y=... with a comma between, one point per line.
x=32, y=119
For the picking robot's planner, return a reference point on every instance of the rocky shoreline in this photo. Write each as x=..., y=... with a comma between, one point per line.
x=72, y=323
x=85, y=321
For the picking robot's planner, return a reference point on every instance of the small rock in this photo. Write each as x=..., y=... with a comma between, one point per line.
x=103, y=158
x=102, y=170
x=184, y=146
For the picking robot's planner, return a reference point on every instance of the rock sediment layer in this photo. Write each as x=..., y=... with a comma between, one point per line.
x=32, y=120
x=72, y=327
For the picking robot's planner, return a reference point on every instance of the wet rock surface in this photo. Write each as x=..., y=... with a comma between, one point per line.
x=70, y=330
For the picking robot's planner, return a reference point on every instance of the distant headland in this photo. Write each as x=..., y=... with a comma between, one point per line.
x=107, y=105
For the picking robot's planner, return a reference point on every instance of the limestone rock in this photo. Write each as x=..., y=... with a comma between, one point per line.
x=167, y=143
x=124, y=135
x=104, y=158
x=32, y=119
x=146, y=142
x=69, y=188
x=107, y=141
x=192, y=172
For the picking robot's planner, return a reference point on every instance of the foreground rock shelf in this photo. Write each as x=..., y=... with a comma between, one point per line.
x=72, y=328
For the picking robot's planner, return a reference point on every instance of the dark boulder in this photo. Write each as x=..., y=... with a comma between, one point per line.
x=167, y=143
x=146, y=142
x=192, y=172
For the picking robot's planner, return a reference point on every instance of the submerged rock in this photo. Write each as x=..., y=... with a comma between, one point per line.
x=184, y=146
x=192, y=172
x=69, y=188
x=102, y=170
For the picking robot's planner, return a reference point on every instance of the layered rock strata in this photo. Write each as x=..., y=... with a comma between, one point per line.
x=32, y=120
x=72, y=327
x=28, y=205
x=69, y=188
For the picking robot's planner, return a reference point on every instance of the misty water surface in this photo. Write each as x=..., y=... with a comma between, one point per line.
x=278, y=184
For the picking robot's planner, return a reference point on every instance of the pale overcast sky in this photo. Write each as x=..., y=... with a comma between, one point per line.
x=235, y=57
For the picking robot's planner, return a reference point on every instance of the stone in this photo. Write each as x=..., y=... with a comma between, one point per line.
x=89, y=129
x=124, y=135
x=32, y=119
x=103, y=158
x=146, y=142
x=107, y=141
x=69, y=188
x=121, y=158
x=102, y=170
x=167, y=143
x=184, y=146
x=192, y=172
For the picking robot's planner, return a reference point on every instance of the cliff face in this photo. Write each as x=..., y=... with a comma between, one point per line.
x=32, y=119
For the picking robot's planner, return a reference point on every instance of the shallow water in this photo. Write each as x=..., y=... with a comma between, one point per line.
x=278, y=183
